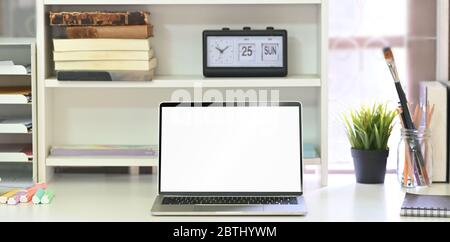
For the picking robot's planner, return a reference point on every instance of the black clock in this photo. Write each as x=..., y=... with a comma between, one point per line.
x=245, y=53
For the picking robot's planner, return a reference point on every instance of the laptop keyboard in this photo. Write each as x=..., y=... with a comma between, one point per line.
x=228, y=200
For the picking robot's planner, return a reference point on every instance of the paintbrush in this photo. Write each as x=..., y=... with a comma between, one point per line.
x=406, y=115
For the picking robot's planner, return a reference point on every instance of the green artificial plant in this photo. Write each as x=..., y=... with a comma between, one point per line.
x=369, y=128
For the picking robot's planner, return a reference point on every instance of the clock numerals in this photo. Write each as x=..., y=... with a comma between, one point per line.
x=247, y=52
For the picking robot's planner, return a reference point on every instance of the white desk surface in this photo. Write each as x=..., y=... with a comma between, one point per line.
x=129, y=198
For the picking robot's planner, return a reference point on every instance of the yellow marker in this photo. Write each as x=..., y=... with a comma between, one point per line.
x=4, y=197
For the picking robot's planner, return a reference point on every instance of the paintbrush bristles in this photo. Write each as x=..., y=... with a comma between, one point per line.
x=389, y=57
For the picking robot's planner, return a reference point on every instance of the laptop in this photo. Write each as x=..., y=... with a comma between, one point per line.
x=230, y=159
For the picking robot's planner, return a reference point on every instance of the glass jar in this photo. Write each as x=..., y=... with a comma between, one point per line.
x=414, y=158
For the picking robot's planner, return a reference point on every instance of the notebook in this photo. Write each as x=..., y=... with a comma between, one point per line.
x=425, y=205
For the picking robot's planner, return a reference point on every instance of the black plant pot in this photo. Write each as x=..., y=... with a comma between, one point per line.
x=370, y=165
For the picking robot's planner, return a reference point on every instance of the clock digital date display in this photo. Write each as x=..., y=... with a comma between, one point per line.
x=245, y=53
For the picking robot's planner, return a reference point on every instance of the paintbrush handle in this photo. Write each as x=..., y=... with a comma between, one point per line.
x=407, y=121
x=406, y=115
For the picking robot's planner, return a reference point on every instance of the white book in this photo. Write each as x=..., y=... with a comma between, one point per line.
x=102, y=55
x=15, y=125
x=434, y=93
x=101, y=44
x=129, y=65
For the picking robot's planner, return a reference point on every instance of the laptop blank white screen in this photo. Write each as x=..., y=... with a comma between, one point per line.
x=231, y=149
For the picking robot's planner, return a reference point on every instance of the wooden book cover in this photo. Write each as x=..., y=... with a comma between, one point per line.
x=99, y=18
x=93, y=32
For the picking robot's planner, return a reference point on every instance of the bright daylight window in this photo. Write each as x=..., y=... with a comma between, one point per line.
x=358, y=31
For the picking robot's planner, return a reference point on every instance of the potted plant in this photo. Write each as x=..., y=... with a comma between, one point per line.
x=368, y=130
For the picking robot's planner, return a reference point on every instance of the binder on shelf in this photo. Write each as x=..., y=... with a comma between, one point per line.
x=14, y=126
x=16, y=153
x=15, y=95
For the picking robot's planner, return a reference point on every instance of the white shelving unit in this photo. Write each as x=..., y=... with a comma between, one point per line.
x=112, y=113
x=18, y=143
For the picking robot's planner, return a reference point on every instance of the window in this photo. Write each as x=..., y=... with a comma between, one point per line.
x=358, y=74
x=17, y=18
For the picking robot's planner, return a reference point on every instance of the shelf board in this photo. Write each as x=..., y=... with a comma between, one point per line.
x=192, y=81
x=99, y=161
x=14, y=129
x=312, y=161
x=16, y=41
x=171, y=2
x=15, y=103
x=19, y=159
x=16, y=153
x=4, y=75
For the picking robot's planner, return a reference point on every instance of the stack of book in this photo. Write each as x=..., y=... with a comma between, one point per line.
x=437, y=94
x=102, y=46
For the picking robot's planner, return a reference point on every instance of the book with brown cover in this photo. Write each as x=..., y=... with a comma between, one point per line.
x=93, y=32
x=99, y=18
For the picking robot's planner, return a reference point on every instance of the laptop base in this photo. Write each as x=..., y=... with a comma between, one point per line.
x=231, y=210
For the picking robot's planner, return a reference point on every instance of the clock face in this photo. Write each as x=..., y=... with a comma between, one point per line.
x=245, y=51
x=220, y=51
